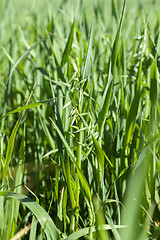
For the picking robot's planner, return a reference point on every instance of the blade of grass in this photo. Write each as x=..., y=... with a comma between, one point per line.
x=83, y=180
x=86, y=69
x=116, y=42
x=59, y=70
x=133, y=199
x=20, y=109
x=100, y=220
x=114, y=10
x=10, y=148
x=108, y=90
x=99, y=151
x=25, y=54
x=41, y=215
x=132, y=115
x=85, y=231
x=153, y=120
x=68, y=47
x=105, y=104
x=12, y=140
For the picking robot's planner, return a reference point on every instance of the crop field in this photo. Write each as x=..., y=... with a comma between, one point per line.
x=79, y=120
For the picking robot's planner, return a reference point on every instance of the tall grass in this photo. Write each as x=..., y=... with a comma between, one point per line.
x=79, y=122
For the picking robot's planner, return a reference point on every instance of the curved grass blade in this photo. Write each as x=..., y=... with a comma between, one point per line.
x=20, y=109
x=29, y=106
x=85, y=231
x=41, y=215
x=25, y=54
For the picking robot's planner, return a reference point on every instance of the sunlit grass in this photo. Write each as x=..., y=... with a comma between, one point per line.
x=79, y=121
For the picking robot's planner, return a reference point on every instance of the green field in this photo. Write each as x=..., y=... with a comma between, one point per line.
x=79, y=120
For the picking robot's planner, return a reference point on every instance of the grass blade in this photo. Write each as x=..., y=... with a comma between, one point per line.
x=116, y=42
x=41, y=215
x=86, y=69
x=85, y=231
x=105, y=104
x=81, y=176
x=98, y=149
x=132, y=115
x=68, y=47
x=59, y=70
x=10, y=148
x=26, y=54
x=20, y=109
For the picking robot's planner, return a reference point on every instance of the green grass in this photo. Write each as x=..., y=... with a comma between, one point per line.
x=79, y=120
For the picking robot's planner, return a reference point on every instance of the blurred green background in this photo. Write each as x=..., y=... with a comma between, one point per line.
x=42, y=6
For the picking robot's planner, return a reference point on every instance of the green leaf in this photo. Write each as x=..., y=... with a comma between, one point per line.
x=133, y=199
x=25, y=54
x=33, y=230
x=108, y=90
x=131, y=118
x=152, y=45
x=10, y=149
x=116, y=42
x=153, y=91
x=68, y=47
x=20, y=109
x=59, y=70
x=114, y=10
x=105, y=104
x=41, y=215
x=144, y=150
x=83, y=180
x=99, y=151
x=86, y=69
x=85, y=231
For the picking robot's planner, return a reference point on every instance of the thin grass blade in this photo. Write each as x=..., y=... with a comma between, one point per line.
x=20, y=109
x=10, y=148
x=116, y=42
x=26, y=54
x=68, y=47
x=86, y=69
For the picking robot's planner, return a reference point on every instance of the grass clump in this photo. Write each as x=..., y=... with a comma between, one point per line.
x=80, y=122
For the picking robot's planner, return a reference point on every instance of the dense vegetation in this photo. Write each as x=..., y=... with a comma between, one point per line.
x=79, y=122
